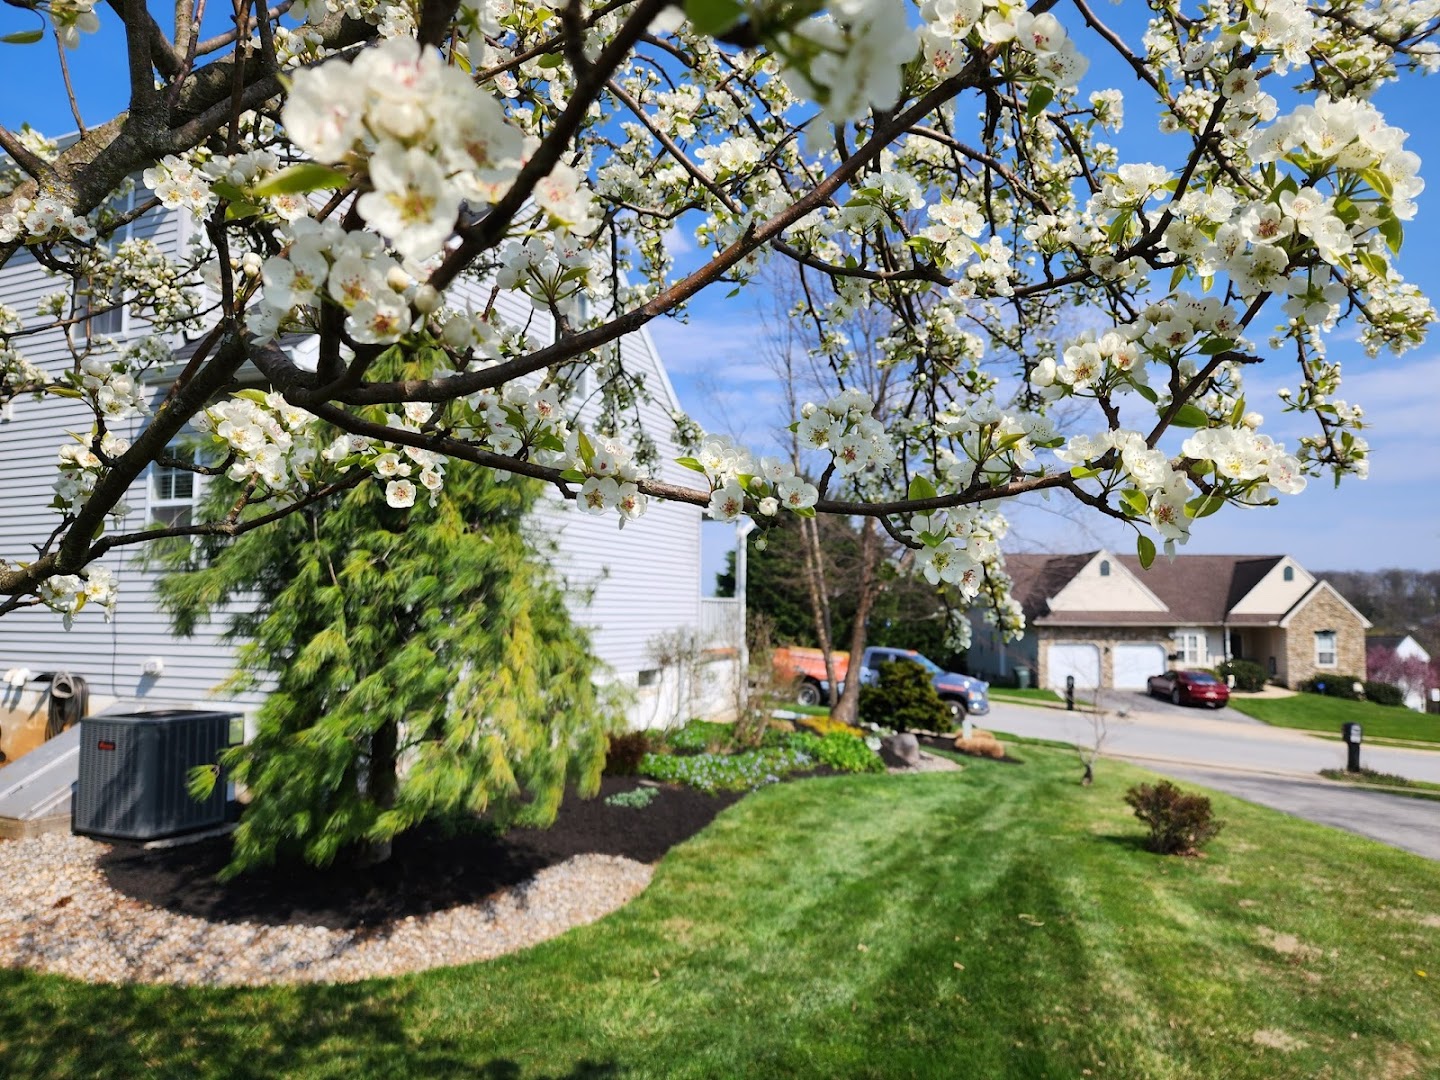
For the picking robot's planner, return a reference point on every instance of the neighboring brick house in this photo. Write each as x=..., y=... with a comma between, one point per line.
x=1102, y=618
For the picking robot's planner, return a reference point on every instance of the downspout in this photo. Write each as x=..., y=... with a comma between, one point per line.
x=742, y=550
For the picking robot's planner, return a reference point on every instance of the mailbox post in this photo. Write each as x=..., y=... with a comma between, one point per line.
x=1351, y=734
x=1070, y=692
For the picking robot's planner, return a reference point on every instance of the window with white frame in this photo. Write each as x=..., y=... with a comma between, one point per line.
x=105, y=315
x=1325, y=646
x=1190, y=646
x=174, y=492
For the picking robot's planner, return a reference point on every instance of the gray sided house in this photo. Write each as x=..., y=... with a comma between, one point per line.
x=629, y=588
x=1103, y=619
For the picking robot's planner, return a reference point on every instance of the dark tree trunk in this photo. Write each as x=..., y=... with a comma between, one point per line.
x=847, y=708
x=382, y=782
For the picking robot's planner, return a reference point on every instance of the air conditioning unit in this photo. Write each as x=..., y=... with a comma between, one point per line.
x=135, y=772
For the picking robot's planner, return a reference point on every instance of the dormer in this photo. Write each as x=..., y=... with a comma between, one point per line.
x=1104, y=584
x=1278, y=591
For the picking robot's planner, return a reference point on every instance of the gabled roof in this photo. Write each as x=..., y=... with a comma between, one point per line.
x=1197, y=590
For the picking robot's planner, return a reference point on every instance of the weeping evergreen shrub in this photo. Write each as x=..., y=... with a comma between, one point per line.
x=423, y=664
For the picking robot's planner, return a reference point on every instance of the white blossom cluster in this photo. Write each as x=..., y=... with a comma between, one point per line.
x=69, y=593
x=264, y=438
x=43, y=219
x=426, y=137
x=845, y=427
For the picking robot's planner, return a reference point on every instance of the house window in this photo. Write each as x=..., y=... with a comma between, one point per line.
x=1237, y=645
x=1190, y=646
x=1325, y=648
x=649, y=677
x=1289, y=573
x=174, y=492
x=1273, y=667
x=1104, y=567
x=109, y=318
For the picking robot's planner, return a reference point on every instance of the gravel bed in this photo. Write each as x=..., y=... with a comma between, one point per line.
x=59, y=915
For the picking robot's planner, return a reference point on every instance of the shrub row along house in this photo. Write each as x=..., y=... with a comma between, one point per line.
x=1109, y=623
x=630, y=590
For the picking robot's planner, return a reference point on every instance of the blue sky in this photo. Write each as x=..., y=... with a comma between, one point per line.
x=716, y=361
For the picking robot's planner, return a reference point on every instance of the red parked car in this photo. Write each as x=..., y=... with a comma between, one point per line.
x=1189, y=688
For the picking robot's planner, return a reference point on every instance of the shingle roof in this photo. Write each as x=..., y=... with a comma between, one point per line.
x=1196, y=589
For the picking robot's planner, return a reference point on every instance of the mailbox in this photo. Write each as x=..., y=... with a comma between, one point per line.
x=1351, y=733
x=1070, y=692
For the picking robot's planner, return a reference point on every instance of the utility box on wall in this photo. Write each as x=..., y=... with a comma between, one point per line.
x=135, y=772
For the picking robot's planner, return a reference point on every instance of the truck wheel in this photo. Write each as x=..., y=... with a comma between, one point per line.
x=809, y=693
x=956, y=707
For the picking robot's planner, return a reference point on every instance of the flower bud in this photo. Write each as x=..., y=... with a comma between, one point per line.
x=427, y=299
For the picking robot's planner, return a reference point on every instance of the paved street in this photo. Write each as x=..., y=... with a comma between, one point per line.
x=1412, y=824
x=1275, y=767
x=1192, y=736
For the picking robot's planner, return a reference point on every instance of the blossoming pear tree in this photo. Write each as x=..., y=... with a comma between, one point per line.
x=352, y=163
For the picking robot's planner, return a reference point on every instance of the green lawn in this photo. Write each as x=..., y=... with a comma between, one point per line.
x=1314, y=712
x=1029, y=696
x=999, y=922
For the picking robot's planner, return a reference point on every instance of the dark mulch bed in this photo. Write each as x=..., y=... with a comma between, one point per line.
x=429, y=870
x=947, y=742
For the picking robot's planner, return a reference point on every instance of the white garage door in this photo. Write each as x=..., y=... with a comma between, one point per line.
x=1082, y=661
x=1136, y=663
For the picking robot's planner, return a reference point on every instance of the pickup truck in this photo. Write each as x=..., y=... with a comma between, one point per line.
x=965, y=695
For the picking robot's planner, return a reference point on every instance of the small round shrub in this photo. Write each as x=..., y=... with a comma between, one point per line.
x=905, y=699
x=1384, y=693
x=624, y=752
x=1180, y=823
x=1249, y=676
x=1337, y=686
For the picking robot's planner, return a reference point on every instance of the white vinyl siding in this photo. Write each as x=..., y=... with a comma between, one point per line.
x=628, y=586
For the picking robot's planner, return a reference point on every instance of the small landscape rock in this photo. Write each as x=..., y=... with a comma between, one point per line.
x=900, y=751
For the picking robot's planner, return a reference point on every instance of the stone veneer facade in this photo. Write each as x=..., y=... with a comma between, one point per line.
x=1324, y=611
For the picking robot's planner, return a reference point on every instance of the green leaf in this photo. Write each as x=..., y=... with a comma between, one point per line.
x=1379, y=183
x=1191, y=416
x=1145, y=549
x=1375, y=264
x=921, y=488
x=1177, y=277
x=713, y=16
x=804, y=511
x=587, y=451
x=298, y=179
x=236, y=211
x=1145, y=392
x=23, y=37
x=690, y=463
x=549, y=61
x=1040, y=96
x=1214, y=345
x=1135, y=499
x=575, y=476
x=1393, y=232
x=1203, y=506
x=1081, y=472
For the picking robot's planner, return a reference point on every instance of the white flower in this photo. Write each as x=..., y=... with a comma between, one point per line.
x=400, y=493
x=413, y=203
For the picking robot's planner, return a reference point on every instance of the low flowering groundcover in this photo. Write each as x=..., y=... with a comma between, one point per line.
x=733, y=768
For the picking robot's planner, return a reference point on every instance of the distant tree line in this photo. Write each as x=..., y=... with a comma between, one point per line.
x=1396, y=601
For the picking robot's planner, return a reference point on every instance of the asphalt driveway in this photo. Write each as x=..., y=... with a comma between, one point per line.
x=1138, y=702
x=1411, y=824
